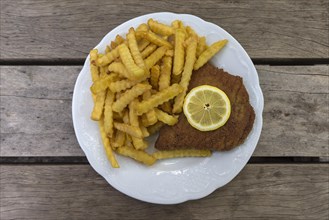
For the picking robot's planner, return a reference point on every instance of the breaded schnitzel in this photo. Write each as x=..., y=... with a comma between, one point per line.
x=233, y=133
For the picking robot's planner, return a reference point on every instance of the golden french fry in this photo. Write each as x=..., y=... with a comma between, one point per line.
x=108, y=57
x=119, y=39
x=148, y=50
x=125, y=117
x=138, y=143
x=169, y=53
x=132, y=43
x=181, y=153
x=165, y=118
x=119, y=68
x=149, y=118
x=190, y=32
x=138, y=155
x=179, y=52
x=155, y=128
x=186, y=75
x=98, y=106
x=142, y=44
x=145, y=119
x=158, y=98
x=93, y=56
x=177, y=24
x=108, y=48
x=160, y=28
x=206, y=55
x=153, y=38
x=154, y=57
x=93, y=68
x=103, y=83
x=202, y=46
x=108, y=114
x=165, y=73
x=122, y=85
x=128, y=141
x=103, y=71
x=144, y=130
x=119, y=139
x=142, y=27
x=113, y=45
x=129, y=63
x=155, y=73
x=107, y=146
x=131, y=130
x=129, y=95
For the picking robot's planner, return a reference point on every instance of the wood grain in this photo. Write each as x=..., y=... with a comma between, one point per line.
x=36, y=111
x=77, y=192
x=68, y=29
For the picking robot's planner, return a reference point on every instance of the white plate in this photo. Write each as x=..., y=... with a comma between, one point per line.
x=174, y=180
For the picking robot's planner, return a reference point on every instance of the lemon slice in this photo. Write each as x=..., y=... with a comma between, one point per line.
x=207, y=108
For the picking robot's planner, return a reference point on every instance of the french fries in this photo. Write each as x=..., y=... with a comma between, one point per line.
x=181, y=153
x=206, y=55
x=153, y=38
x=98, y=107
x=138, y=143
x=132, y=42
x=148, y=50
x=179, y=52
x=160, y=28
x=129, y=63
x=107, y=146
x=129, y=95
x=108, y=114
x=131, y=130
x=155, y=74
x=121, y=85
x=155, y=57
x=165, y=73
x=165, y=117
x=149, y=118
x=140, y=83
x=187, y=73
x=93, y=68
x=158, y=98
x=108, y=58
x=138, y=155
x=202, y=46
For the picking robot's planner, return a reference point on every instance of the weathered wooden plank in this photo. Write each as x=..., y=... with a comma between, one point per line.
x=69, y=29
x=77, y=192
x=296, y=111
x=36, y=111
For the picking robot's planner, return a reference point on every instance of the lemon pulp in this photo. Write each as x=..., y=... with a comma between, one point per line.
x=207, y=108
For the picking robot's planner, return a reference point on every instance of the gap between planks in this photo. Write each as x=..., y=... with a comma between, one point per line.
x=79, y=62
x=83, y=160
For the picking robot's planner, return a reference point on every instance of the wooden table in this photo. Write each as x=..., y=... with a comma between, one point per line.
x=44, y=173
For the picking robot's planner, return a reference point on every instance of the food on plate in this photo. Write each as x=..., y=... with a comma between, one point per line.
x=139, y=85
x=181, y=153
x=138, y=155
x=179, y=51
x=187, y=73
x=206, y=55
x=207, y=108
x=182, y=135
x=158, y=98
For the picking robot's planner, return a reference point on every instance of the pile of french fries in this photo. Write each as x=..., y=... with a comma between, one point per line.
x=139, y=84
